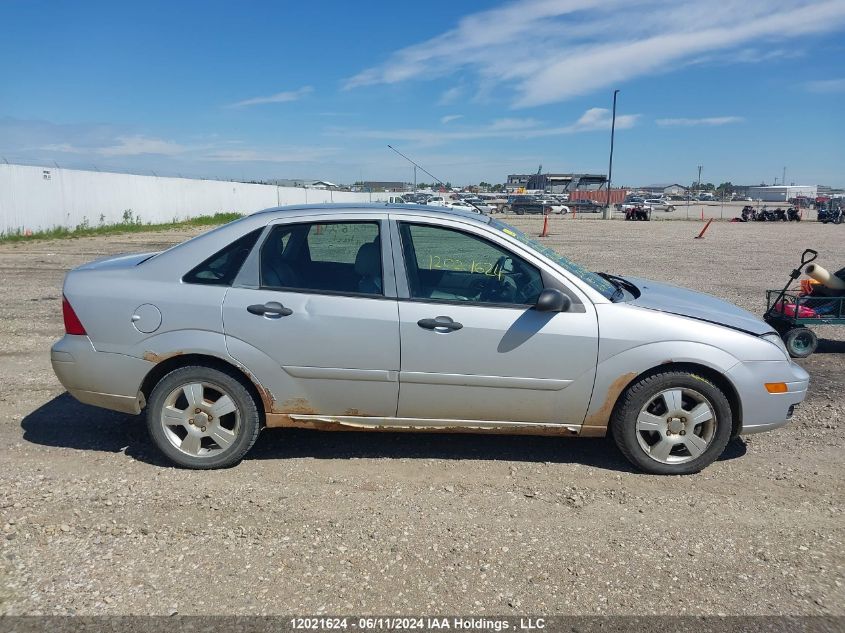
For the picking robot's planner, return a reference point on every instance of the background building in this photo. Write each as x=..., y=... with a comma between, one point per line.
x=778, y=193
x=556, y=183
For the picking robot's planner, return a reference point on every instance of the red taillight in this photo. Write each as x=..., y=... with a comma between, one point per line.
x=72, y=323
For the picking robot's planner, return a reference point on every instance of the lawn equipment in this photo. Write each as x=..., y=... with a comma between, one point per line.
x=820, y=300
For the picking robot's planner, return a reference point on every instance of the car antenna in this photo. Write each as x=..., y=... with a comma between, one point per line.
x=418, y=166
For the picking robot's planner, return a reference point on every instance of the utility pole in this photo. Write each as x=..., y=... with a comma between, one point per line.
x=610, y=163
x=783, y=180
x=699, y=179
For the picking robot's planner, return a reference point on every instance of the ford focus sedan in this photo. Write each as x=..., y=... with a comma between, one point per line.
x=412, y=318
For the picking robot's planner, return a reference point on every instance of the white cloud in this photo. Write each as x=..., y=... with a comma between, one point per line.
x=279, y=97
x=711, y=121
x=826, y=86
x=136, y=145
x=451, y=117
x=274, y=155
x=548, y=51
x=593, y=119
x=448, y=96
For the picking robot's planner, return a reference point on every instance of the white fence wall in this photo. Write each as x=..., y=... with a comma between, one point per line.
x=37, y=198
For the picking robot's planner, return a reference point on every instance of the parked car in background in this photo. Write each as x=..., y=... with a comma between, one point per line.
x=479, y=204
x=585, y=206
x=627, y=207
x=526, y=204
x=659, y=204
x=555, y=205
x=295, y=317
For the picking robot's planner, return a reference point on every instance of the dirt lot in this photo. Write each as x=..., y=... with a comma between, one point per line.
x=92, y=522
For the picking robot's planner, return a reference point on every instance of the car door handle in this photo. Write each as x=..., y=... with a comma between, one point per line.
x=271, y=309
x=441, y=322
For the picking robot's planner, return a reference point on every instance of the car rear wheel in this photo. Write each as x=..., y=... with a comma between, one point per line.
x=202, y=418
x=672, y=423
x=519, y=211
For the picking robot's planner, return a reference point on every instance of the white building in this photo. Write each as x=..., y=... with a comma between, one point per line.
x=780, y=193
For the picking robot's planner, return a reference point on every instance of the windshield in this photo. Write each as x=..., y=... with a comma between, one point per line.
x=600, y=284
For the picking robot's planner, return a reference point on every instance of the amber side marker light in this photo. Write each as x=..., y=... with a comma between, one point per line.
x=776, y=387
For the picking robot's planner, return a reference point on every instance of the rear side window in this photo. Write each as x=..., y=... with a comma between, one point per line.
x=331, y=257
x=221, y=268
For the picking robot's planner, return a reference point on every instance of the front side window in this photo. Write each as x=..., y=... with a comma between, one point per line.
x=444, y=264
x=598, y=283
x=334, y=257
x=221, y=268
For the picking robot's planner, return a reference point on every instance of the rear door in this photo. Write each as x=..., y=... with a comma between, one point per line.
x=319, y=324
x=473, y=347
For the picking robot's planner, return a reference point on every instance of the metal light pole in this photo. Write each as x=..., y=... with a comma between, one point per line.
x=610, y=163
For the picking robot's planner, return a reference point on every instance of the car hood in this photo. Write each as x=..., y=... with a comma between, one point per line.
x=697, y=305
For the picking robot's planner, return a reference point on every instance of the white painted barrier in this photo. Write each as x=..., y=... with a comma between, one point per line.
x=39, y=198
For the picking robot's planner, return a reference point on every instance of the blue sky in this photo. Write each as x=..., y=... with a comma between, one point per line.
x=472, y=90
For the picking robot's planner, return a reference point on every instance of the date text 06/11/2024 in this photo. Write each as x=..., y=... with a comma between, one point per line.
x=326, y=623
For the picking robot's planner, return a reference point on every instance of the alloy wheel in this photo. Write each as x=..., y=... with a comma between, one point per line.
x=200, y=419
x=676, y=426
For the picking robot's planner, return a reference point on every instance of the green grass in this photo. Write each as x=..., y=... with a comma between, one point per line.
x=130, y=224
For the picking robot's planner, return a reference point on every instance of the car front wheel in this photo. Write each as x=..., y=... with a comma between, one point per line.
x=672, y=423
x=202, y=418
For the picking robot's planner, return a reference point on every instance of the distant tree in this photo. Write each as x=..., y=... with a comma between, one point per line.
x=448, y=185
x=496, y=188
x=725, y=189
x=484, y=185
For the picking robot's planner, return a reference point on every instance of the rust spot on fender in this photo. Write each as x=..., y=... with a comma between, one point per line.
x=157, y=358
x=296, y=405
x=595, y=425
x=267, y=399
x=356, y=413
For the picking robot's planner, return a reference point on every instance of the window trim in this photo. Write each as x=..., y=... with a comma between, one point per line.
x=485, y=304
x=258, y=236
x=252, y=278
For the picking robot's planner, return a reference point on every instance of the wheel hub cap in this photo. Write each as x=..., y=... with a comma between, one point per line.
x=675, y=425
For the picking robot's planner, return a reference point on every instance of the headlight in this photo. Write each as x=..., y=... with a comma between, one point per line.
x=777, y=341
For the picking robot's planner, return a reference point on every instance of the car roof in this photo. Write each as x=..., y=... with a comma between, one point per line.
x=352, y=207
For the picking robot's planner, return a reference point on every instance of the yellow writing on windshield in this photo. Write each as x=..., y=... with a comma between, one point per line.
x=436, y=262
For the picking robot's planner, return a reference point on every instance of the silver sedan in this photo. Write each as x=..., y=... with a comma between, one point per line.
x=412, y=318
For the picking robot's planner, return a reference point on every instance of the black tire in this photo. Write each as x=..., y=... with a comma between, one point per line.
x=800, y=342
x=506, y=209
x=623, y=422
x=245, y=433
x=519, y=211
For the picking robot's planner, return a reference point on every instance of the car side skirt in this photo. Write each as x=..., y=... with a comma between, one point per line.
x=366, y=423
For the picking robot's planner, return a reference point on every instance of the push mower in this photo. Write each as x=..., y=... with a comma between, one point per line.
x=818, y=302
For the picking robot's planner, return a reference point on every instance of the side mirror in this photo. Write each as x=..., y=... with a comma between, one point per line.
x=552, y=300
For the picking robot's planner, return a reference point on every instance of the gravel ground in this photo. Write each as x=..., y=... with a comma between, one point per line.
x=92, y=521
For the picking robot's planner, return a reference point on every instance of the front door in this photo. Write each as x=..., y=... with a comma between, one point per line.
x=320, y=332
x=473, y=347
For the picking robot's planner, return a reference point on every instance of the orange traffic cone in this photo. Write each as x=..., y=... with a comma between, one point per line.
x=545, y=232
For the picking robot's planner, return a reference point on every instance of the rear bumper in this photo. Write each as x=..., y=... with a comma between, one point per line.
x=761, y=410
x=102, y=379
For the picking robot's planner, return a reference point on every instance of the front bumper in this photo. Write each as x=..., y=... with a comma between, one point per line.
x=102, y=379
x=761, y=410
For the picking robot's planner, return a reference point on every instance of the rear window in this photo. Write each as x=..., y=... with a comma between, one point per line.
x=221, y=268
